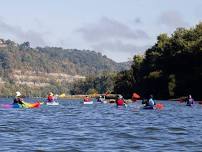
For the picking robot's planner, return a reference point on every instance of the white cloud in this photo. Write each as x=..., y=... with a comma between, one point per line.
x=119, y=50
x=109, y=29
x=138, y=20
x=172, y=19
x=33, y=37
x=114, y=38
x=117, y=46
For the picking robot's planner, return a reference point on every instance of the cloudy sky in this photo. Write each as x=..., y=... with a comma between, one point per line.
x=116, y=28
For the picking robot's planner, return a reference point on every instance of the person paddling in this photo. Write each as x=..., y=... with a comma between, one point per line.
x=120, y=101
x=50, y=97
x=190, y=101
x=18, y=99
x=99, y=99
x=149, y=104
x=86, y=99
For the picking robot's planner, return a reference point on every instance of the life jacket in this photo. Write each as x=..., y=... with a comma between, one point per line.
x=120, y=102
x=50, y=98
x=86, y=99
x=190, y=101
x=18, y=100
x=151, y=102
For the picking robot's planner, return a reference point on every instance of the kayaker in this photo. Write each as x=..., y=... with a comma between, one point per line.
x=150, y=103
x=86, y=99
x=99, y=99
x=190, y=101
x=120, y=101
x=50, y=97
x=18, y=98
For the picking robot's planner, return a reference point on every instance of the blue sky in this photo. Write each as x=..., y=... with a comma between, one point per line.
x=116, y=28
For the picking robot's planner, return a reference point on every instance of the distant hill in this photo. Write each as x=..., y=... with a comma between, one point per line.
x=41, y=67
x=85, y=62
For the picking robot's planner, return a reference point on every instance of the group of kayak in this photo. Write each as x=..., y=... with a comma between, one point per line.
x=120, y=101
x=18, y=102
x=101, y=99
x=147, y=103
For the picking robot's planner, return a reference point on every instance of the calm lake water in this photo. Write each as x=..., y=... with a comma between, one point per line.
x=72, y=126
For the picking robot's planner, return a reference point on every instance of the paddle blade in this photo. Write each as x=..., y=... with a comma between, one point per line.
x=159, y=106
x=62, y=95
x=135, y=97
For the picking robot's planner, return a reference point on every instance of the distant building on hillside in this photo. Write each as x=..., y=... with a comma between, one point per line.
x=2, y=43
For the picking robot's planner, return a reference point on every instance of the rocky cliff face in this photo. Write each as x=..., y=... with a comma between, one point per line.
x=41, y=79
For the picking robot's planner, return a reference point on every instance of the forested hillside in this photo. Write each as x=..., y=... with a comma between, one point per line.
x=170, y=68
x=50, y=68
x=52, y=59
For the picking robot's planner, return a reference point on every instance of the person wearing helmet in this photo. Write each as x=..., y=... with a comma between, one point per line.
x=120, y=101
x=18, y=98
x=190, y=101
x=50, y=97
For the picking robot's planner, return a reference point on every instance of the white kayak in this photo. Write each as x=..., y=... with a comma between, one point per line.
x=88, y=102
x=104, y=101
x=52, y=103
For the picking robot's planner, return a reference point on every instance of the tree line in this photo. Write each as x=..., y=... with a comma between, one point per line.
x=171, y=68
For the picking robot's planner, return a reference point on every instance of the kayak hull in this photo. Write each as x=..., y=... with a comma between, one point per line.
x=7, y=106
x=148, y=107
x=88, y=102
x=123, y=105
x=104, y=102
x=25, y=105
x=34, y=105
x=52, y=103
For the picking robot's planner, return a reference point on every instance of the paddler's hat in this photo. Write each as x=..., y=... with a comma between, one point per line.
x=120, y=96
x=18, y=94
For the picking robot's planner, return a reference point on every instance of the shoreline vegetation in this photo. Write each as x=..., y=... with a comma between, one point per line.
x=169, y=69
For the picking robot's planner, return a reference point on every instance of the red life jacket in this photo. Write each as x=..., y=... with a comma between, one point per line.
x=86, y=99
x=50, y=98
x=120, y=102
